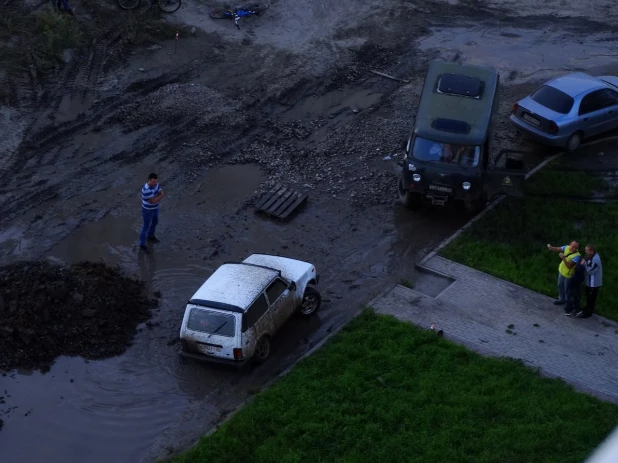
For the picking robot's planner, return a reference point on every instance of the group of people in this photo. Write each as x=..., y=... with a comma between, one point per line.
x=575, y=270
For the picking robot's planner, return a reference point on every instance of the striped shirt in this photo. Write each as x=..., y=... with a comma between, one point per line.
x=594, y=272
x=149, y=193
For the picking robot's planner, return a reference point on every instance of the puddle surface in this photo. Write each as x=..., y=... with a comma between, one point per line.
x=224, y=186
x=529, y=53
x=333, y=103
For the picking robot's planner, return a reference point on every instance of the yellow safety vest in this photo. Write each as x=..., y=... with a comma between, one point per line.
x=563, y=269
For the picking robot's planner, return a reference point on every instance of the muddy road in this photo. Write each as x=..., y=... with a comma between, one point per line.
x=222, y=115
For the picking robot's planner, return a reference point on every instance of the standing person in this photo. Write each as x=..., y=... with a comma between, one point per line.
x=569, y=257
x=574, y=288
x=593, y=281
x=63, y=5
x=151, y=196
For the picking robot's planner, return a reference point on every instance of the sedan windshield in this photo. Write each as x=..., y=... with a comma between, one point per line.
x=212, y=322
x=553, y=99
x=446, y=153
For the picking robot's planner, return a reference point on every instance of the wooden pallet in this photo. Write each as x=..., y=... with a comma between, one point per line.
x=280, y=202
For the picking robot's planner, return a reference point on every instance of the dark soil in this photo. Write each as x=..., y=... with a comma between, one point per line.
x=88, y=310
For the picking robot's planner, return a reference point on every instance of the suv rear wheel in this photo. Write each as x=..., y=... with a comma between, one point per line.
x=262, y=350
x=311, y=301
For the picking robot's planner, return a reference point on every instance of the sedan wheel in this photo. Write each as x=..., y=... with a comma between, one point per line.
x=311, y=301
x=262, y=350
x=573, y=142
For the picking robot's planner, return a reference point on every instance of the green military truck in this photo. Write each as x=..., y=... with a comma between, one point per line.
x=448, y=154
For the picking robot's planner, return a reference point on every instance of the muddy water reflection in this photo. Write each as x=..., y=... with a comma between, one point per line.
x=527, y=52
x=113, y=410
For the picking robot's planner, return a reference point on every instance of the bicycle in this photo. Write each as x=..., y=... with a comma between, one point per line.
x=167, y=6
x=239, y=12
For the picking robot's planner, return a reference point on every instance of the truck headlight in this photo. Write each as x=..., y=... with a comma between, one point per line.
x=466, y=185
x=416, y=177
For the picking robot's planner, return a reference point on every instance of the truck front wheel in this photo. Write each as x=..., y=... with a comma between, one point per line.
x=407, y=198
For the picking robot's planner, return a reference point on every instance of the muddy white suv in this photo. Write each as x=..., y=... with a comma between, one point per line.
x=236, y=312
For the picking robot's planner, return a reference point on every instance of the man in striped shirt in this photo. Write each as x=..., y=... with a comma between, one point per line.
x=593, y=281
x=151, y=195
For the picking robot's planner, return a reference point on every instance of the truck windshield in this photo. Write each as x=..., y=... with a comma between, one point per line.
x=446, y=153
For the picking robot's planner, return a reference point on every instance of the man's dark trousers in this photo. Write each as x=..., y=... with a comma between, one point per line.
x=591, y=300
x=151, y=219
x=573, y=297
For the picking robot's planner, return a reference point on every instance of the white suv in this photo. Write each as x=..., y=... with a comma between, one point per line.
x=236, y=312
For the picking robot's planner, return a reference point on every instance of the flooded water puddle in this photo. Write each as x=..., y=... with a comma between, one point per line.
x=111, y=410
x=522, y=53
x=109, y=239
x=331, y=104
x=223, y=187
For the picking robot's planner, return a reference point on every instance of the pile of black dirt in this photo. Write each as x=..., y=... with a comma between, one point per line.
x=88, y=309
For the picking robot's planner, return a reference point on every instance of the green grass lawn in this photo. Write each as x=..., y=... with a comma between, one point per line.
x=384, y=391
x=510, y=241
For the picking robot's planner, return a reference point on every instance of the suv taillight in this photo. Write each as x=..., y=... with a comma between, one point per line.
x=515, y=106
x=553, y=127
x=238, y=354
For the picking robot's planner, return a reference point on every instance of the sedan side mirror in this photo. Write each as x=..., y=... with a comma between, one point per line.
x=404, y=144
x=292, y=286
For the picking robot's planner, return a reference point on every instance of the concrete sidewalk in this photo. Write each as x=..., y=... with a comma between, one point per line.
x=497, y=318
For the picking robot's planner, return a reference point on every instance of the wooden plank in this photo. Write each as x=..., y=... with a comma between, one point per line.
x=301, y=198
x=280, y=201
x=268, y=196
x=389, y=77
x=285, y=204
x=270, y=201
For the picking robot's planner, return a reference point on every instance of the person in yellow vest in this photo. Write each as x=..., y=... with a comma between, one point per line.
x=569, y=257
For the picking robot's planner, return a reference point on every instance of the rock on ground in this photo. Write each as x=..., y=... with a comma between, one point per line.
x=88, y=309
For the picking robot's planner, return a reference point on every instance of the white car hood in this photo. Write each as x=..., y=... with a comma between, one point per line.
x=291, y=269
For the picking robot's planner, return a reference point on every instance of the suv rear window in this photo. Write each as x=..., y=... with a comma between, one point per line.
x=553, y=99
x=209, y=321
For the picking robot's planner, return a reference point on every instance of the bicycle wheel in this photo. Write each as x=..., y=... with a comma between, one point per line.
x=222, y=14
x=258, y=7
x=128, y=4
x=168, y=6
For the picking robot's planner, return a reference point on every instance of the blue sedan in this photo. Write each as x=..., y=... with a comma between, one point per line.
x=568, y=109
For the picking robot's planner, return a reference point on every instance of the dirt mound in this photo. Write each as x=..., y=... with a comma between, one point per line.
x=88, y=309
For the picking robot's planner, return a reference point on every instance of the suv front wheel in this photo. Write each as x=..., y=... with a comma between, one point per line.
x=311, y=301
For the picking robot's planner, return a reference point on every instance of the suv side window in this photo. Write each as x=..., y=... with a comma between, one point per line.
x=254, y=312
x=592, y=102
x=275, y=290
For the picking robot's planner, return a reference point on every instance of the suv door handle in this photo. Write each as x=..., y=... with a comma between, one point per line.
x=585, y=118
x=610, y=112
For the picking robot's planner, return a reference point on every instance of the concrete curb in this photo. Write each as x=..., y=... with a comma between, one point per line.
x=489, y=208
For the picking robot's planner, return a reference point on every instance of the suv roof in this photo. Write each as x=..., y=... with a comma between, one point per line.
x=456, y=103
x=234, y=286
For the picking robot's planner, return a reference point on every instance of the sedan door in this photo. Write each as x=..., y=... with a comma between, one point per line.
x=593, y=112
x=611, y=110
x=281, y=302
